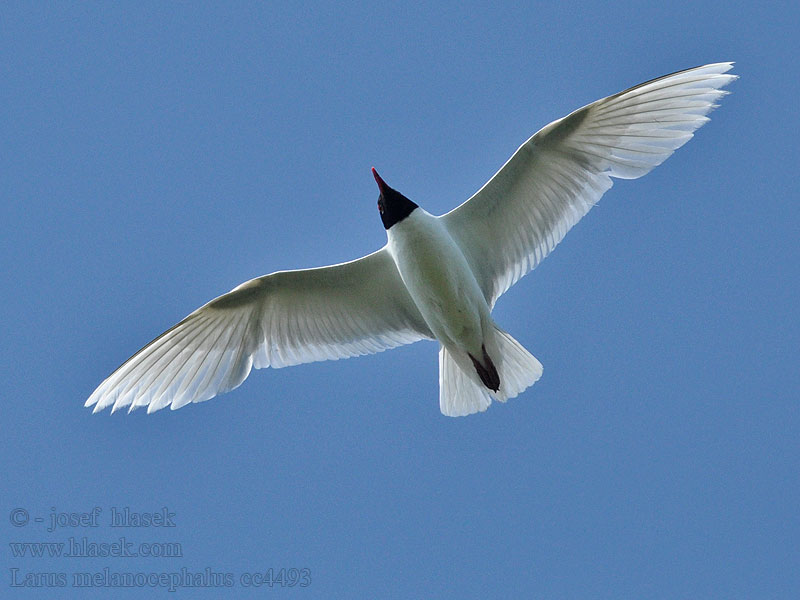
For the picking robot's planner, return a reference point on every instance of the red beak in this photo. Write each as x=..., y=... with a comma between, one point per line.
x=381, y=183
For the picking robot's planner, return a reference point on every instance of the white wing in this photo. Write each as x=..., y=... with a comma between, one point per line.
x=553, y=179
x=277, y=320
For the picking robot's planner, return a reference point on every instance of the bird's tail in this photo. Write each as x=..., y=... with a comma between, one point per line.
x=461, y=389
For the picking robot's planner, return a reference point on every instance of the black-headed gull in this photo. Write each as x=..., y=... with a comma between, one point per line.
x=437, y=277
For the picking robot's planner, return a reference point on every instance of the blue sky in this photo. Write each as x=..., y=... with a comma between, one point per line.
x=156, y=155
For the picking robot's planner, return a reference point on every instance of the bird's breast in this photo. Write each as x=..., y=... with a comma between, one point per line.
x=438, y=278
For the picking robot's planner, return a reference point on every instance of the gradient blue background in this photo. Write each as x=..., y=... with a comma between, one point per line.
x=156, y=156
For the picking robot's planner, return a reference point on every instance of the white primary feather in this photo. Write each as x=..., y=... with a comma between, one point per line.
x=554, y=178
x=281, y=319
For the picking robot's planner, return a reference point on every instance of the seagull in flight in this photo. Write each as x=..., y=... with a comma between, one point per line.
x=437, y=277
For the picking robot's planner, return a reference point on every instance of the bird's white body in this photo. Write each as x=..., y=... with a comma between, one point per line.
x=439, y=280
x=438, y=277
x=444, y=289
